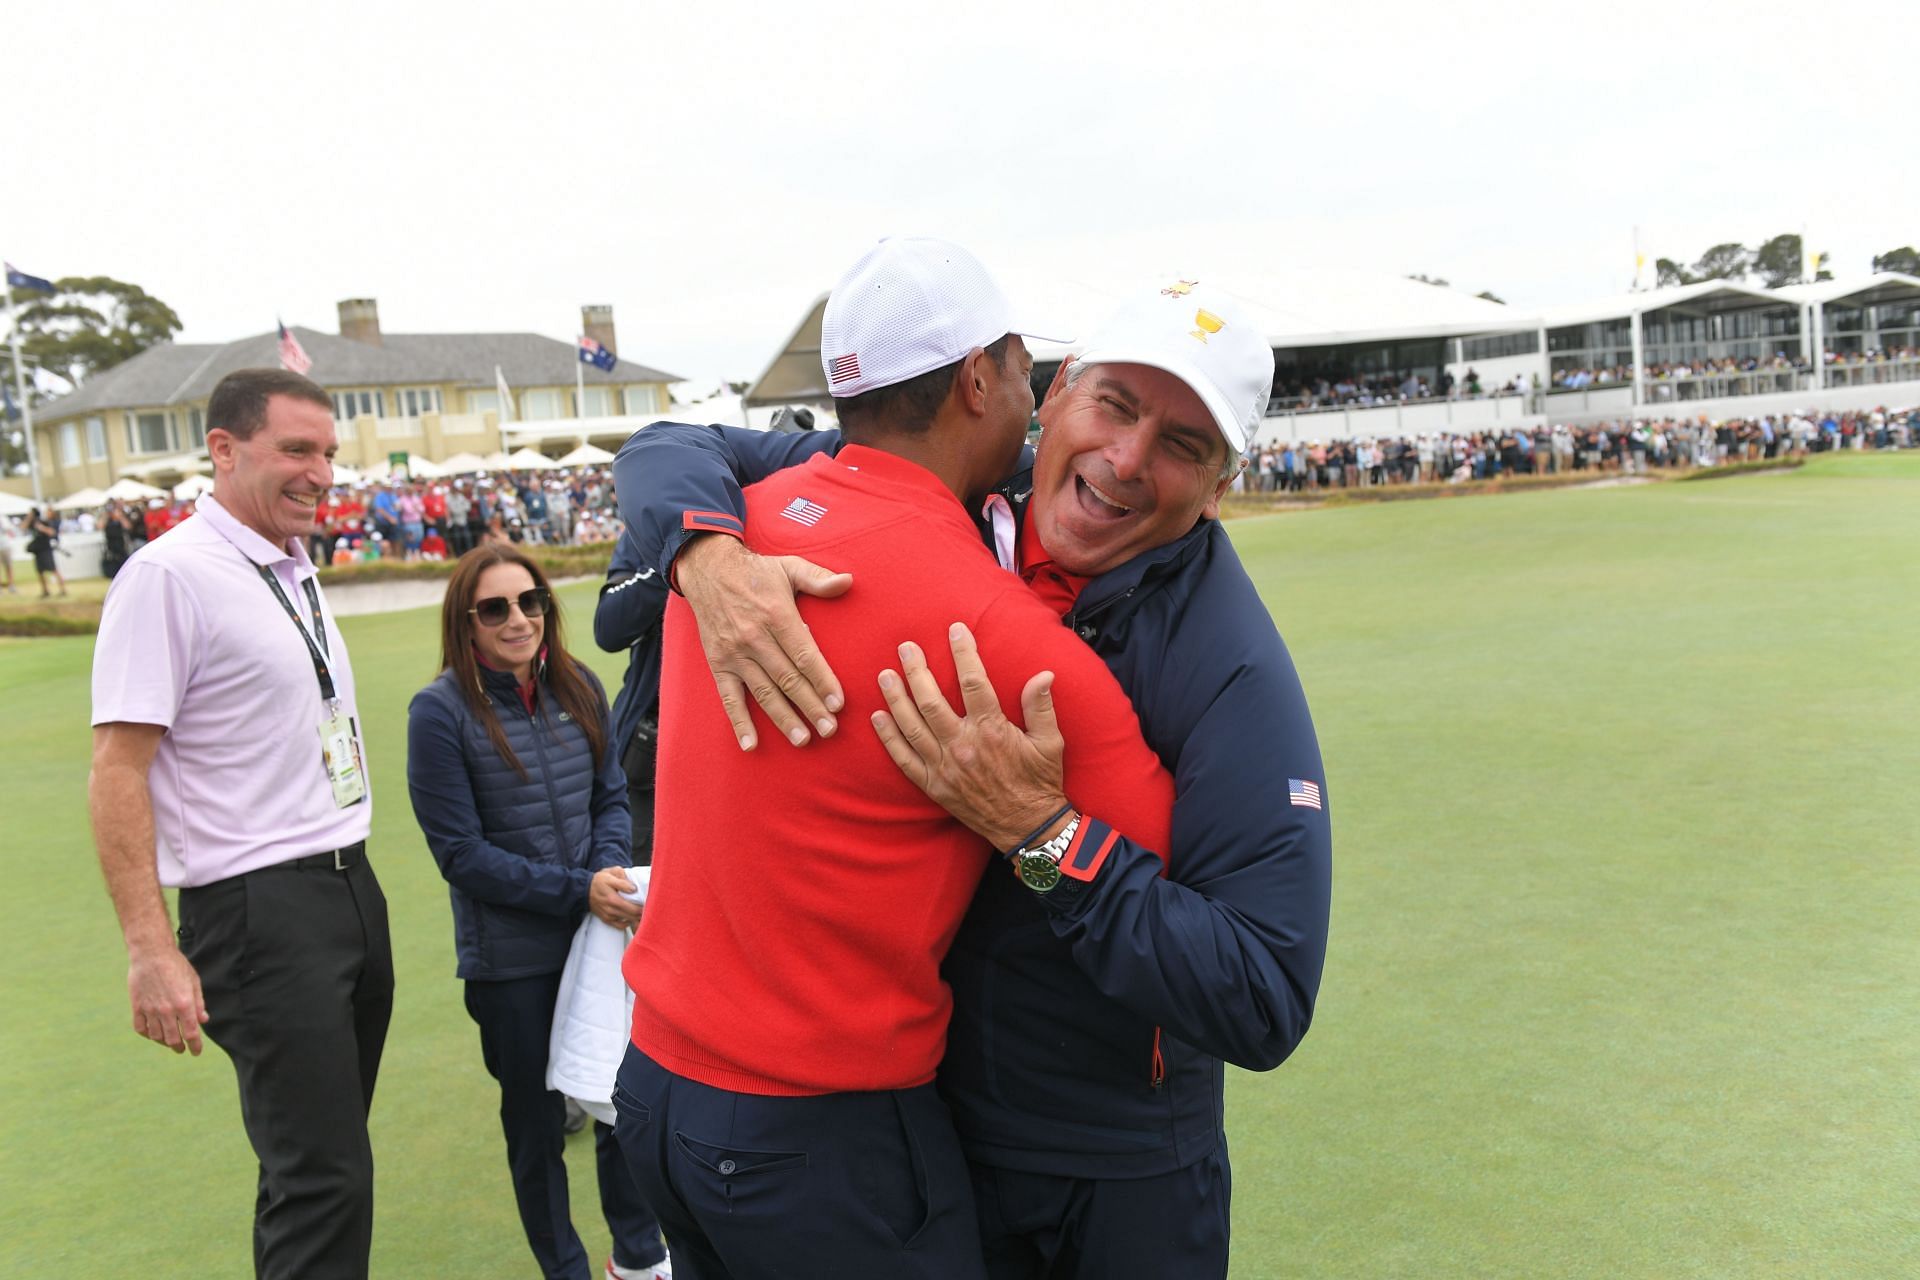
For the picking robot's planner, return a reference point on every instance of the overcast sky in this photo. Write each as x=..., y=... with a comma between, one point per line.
x=709, y=168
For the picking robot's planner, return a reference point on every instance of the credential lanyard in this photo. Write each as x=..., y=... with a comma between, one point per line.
x=317, y=652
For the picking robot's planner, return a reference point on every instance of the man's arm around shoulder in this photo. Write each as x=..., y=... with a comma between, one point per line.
x=162, y=986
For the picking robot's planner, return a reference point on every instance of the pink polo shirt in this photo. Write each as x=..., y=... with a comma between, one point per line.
x=191, y=639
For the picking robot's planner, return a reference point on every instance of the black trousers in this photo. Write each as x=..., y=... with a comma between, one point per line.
x=515, y=1018
x=297, y=972
x=751, y=1187
x=1037, y=1226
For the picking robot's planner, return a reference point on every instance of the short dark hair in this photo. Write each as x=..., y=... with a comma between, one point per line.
x=906, y=408
x=239, y=404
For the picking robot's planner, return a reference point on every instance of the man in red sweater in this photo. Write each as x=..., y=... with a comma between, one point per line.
x=776, y=1104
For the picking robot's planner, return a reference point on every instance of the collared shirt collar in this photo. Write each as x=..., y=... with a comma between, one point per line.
x=249, y=543
x=1054, y=585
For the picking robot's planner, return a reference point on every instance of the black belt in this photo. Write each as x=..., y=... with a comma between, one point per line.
x=336, y=860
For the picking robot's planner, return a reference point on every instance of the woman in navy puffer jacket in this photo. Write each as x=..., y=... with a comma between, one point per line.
x=524, y=806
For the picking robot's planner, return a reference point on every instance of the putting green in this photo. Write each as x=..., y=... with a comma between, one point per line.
x=1622, y=975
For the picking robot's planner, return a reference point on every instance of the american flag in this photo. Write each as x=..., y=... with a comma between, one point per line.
x=806, y=513
x=845, y=368
x=292, y=356
x=1302, y=794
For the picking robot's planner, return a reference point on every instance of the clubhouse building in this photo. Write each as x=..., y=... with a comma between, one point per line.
x=429, y=394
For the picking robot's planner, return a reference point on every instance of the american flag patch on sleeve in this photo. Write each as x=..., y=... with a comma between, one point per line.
x=1302, y=794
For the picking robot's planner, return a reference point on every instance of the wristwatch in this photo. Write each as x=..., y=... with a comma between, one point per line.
x=1039, y=867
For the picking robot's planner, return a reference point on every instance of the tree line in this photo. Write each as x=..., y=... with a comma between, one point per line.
x=1779, y=261
x=88, y=324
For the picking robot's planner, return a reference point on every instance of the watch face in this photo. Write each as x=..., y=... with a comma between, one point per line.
x=1039, y=872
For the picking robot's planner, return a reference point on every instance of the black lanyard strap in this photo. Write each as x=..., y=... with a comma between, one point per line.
x=318, y=653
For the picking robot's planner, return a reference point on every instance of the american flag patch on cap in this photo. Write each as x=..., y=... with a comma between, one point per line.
x=845, y=368
x=1303, y=794
x=806, y=513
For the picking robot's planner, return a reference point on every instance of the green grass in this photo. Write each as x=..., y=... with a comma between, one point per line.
x=1623, y=982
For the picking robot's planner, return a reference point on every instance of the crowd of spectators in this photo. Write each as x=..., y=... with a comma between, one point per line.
x=1579, y=379
x=1368, y=390
x=1372, y=390
x=436, y=519
x=1610, y=447
x=442, y=519
x=1874, y=355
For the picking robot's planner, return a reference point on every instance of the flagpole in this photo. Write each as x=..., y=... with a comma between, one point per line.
x=579, y=383
x=20, y=389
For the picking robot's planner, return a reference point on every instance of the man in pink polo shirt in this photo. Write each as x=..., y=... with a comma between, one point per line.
x=227, y=763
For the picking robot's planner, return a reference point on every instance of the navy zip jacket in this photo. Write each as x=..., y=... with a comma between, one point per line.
x=1091, y=1024
x=627, y=620
x=518, y=853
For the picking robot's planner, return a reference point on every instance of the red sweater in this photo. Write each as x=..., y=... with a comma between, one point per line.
x=802, y=900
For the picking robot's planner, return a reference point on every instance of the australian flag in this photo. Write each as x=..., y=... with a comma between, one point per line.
x=19, y=279
x=596, y=355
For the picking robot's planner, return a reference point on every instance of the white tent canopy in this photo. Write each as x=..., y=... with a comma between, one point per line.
x=418, y=468
x=192, y=487
x=10, y=505
x=344, y=474
x=530, y=460
x=81, y=499
x=496, y=461
x=128, y=489
x=587, y=455
x=461, y=464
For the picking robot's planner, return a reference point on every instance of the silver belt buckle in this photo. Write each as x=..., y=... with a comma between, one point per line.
x=337, y=864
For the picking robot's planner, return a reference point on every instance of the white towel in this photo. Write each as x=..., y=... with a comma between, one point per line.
x=594, y=1014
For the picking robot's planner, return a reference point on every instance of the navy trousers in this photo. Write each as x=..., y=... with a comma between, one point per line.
x=516, y=1022
x=1037, y=1226
x=297, y=973
x=751, y=1187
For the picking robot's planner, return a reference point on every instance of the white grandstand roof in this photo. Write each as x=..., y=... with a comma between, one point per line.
x=1887, y=283
x=1735, y=292
x=1297, y=307
x=1726, y=295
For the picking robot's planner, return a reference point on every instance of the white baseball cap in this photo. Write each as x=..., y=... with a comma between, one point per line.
x=909, y=306
x=1203, y=337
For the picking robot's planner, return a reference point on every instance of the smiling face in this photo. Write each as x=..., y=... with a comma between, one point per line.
x=273, y=480
x=515, y=643
x=1129, y=459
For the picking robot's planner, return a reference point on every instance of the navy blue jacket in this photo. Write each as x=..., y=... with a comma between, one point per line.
x=518, y=853
x=627, y=619
x=1091, y=1024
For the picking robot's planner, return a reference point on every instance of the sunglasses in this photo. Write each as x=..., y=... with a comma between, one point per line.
x=495, y=610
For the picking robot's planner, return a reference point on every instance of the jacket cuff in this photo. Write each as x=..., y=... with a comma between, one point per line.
x=692, y=525
x=1081, y=864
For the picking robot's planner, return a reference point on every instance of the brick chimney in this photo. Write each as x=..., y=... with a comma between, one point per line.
x=360, y=320
x=597, y=323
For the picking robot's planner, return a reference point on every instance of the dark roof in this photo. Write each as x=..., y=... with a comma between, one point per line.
x=174, y=373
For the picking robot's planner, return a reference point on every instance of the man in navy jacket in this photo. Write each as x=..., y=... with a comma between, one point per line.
x=627, y=619
x=1091, y=1020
